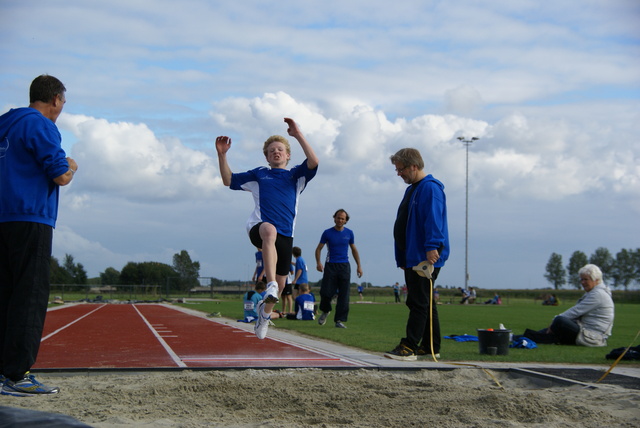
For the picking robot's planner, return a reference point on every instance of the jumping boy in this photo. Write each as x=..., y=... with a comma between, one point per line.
x=275, y=191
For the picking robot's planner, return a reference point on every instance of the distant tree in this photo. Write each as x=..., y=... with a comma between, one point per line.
x=58, y=275
x=80, y=274
x=636, y=264
x=556, y=274
x=75, y=270
x=110, y=276
x=578, y=260
x=146, y=273
x=604, y=260
x=187, y=270
x=624, y=269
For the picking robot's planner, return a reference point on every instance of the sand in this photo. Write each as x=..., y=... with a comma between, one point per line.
x=464, y=397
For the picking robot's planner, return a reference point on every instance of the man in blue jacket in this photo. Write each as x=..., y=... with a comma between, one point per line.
x=420, y=235
x=33, y=166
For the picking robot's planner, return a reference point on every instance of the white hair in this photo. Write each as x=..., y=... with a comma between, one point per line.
x=592, y=271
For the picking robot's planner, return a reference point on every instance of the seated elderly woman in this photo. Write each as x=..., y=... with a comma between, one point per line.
x=589, y=322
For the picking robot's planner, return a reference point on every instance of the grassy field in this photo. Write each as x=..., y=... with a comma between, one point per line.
x=378, y=327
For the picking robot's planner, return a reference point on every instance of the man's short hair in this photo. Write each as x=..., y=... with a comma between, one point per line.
x=45, y=88
x=408, y=157
x=341, y=211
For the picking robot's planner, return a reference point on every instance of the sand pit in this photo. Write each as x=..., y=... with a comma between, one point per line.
x=330, y=398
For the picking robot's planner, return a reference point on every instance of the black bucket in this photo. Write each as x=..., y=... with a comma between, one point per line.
x=494, y=342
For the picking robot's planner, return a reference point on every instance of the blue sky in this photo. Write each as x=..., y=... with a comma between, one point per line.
x=551, y=90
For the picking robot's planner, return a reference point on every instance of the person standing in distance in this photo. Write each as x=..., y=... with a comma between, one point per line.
x=336, y=276
x=420, y=234
x=33, y=166
x=276, y=191
x=300, y=276
x=258, y=274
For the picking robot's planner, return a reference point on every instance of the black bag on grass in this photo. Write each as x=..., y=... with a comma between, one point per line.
x=632, y=354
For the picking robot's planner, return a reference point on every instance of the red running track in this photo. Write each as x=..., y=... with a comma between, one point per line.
x=119, y=336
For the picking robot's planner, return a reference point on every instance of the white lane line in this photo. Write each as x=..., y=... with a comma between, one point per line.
x=164, y=344
x=71, y=323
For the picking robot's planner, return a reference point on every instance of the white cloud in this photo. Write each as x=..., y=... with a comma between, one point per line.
x=128, y=159
x=257, y=118
x=463, y=100
x=89, y=253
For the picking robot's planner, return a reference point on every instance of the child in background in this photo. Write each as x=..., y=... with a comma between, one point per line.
x=251, y=300
x=305, y=305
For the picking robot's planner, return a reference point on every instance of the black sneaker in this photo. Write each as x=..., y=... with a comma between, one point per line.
x=402, y=353
x=340, y=325
x=323, y=318
x=422, y=352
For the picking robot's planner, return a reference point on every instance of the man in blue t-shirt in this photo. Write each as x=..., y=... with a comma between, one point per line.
x=33, y=166
x=275, y=191
x=336, y=276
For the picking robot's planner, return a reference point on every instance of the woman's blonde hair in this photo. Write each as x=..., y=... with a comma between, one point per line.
x=592, y=271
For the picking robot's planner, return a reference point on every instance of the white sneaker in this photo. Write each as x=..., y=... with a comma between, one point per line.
x=271, y=295
x=262, y=323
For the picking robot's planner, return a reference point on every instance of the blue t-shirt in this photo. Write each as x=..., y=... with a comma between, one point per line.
x=31, y=156
x=338, y=243
x=305, y=307
x=250, y=304
x=301, y=265
x=275, y=193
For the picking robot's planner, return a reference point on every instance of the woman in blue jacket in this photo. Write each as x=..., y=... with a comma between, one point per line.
x=420, y=235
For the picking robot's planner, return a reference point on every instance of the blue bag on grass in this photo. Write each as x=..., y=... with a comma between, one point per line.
x=523, y=342
x=462, y=337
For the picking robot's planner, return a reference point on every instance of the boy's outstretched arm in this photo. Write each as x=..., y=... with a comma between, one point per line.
x=294, y=131
x=223, y=144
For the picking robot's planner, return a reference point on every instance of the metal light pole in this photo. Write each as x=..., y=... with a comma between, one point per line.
x=467, y=143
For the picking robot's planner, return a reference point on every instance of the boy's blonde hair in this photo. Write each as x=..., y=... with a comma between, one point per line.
x=278, y=138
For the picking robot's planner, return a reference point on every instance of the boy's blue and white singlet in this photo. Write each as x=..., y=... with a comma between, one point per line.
x=275, y=193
